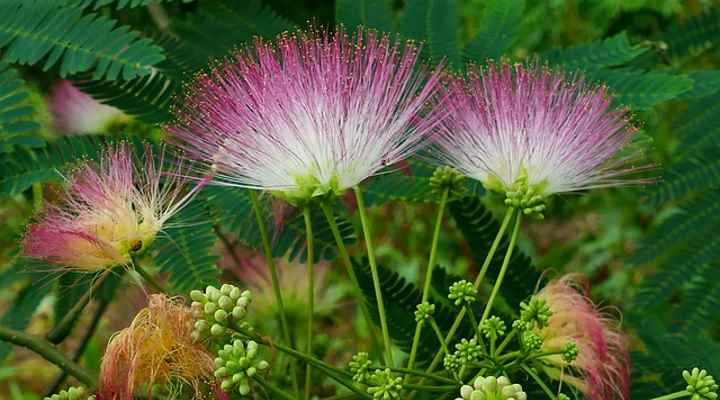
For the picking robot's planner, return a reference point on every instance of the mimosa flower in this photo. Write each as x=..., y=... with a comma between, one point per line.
x=110, y=211
x=532, y=132
x=600, y=365
x=75, y=112
x=310, y=114
x=156, y=349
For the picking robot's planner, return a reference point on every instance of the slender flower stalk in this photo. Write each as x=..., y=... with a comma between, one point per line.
x=503, y=270
x=428, y=274
x=311, y=296
x=310, y=114
x=478, y=281
x=275, y=281
x=367, y=232
x=345, y=258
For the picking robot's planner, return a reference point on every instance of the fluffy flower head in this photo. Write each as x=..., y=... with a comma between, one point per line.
x=74, y=112
x=156, y=348
x=530, y=129
x=312, y=113
x=601, y=366
x=109, y=211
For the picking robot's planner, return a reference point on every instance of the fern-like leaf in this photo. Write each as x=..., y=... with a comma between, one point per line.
x=640, y=89
x=31, y=30
x=120, y=4
x=613, y=51
x=370, y=13
x=443, y=26
x=498, y=31
x=696, y=172
x=16, y=113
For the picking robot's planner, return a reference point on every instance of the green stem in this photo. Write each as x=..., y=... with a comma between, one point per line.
x=439, y=334
x=63, y=328
x=478, y=280
x=148, y=278
x=310, y=296
x=506, y=341
x=503, y=269
x=270, y=261
x=343, y=253
x=426, y=388
x=428, y=274
x=38, y=199
x=273, y=389
x=540, y=382
x=48, y=352
x=415, y=372
x=676, y=395
x=473, y=321
x=375, y=277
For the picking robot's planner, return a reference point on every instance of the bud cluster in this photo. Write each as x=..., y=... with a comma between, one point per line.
x=535, y=313
x=466, y=351
x=526, y=198
x=493, y=327
x=447, y=177
x=492, y=388
x=384, y=385
x=462, y=293
x=73, y=393
x=219, y=309
x=701, y=385
x=236, y=364
x=424, y=311
x=359, y=366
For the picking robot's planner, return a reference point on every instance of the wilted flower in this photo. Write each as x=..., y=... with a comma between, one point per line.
x=532, y=130
x=311, y=114
x=74, y=112
x=600, y=365
x=110, y=211
x=156, y=349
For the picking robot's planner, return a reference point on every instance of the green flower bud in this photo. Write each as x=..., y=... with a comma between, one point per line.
x=700, y=384
x=462, y=293
x=385, y=385
x=446, y=177
x=536, y=312
x=359, y=366
x=198, y=296
x=424, y=311
x=493, y=327
x=570, y=352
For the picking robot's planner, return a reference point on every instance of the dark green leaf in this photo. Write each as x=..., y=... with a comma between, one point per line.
x=497, y=30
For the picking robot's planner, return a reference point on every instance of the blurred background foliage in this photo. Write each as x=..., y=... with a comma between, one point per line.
x=651, y=252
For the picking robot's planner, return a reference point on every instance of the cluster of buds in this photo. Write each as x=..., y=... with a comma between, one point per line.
x=493, y=328
x=424, y=311
x=359, y=366
x=466, y=351
x=700, y=384
x=73, y=393
x=236, y=364
x=492, y=388
x=219, y=309
x=525, y=197
x=462, y=293
x=449, y=178
x=384, y=385
x=535, y=313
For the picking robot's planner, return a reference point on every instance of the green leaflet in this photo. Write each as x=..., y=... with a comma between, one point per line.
x=33, y=30
x=498, y=30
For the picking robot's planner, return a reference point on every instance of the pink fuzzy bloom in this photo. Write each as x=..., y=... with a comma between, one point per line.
x=511, y=122
x=74, y=112
x=602, y=367
x=110, y=211
x=312, y=113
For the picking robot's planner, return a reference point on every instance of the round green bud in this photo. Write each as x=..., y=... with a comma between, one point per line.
x=217, y=330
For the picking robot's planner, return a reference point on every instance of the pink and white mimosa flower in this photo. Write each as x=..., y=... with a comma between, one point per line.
x=110, y=211
x=75, y=112
x=511, y=125
x=601, y=369
x=312, y=113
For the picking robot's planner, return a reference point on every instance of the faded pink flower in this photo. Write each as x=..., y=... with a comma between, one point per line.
x=602, y=367
x=110, y=211
x=312, y=113
x=75, y=112
x=510, y=125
